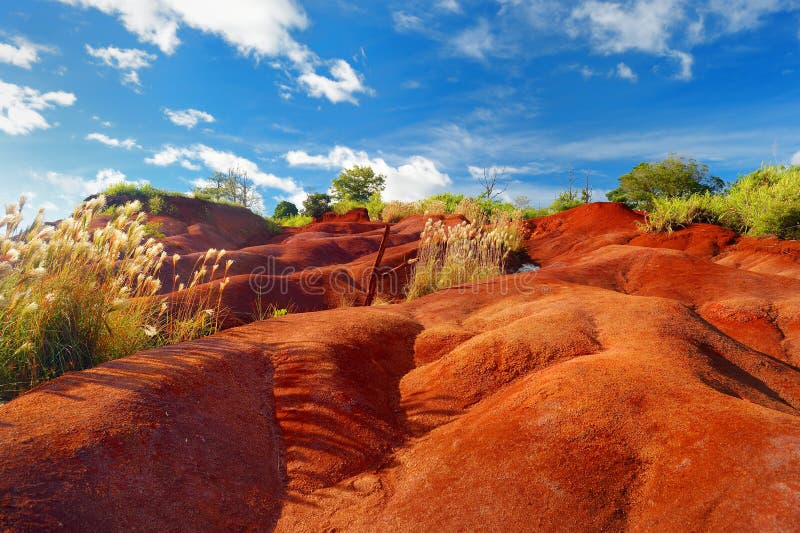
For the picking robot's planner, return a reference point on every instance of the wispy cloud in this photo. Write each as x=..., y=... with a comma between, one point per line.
x=188, y=118
x=20, y=52
x=127, y=60
x=128, y=144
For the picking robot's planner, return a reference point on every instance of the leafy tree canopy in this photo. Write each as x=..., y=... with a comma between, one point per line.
x=316, y=205
x=673, y=177
x=285, y=209
x=357, y=184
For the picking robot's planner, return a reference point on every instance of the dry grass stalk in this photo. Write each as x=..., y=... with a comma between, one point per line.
x=72, y=297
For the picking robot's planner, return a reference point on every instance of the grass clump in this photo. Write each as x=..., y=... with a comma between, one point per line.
x=764, y=202
x=295, y=221
x=466, y=252
x=71, y=297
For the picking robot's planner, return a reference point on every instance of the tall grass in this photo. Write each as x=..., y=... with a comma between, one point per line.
x=466, y=252
x=765, y=202
x=72, y=297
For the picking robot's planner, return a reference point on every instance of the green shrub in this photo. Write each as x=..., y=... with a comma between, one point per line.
x=272, y=226
x=296, y=221
x=764, y=202
x=344, y=206
x=155, y=204
x=449, y=200
x=375, y=206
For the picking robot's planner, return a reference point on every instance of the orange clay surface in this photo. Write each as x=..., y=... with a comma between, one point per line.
x=637, y=382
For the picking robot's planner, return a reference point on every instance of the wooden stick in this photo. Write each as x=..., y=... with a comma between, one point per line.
x=373, y=280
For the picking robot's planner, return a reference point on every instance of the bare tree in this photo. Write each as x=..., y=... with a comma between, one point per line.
x=522, y=202
x=491, y=181
x=586, y=192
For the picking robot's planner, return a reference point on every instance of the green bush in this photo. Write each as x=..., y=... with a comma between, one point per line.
x=344, y=206
x=272, y=226
x=375, y=206
x=765, y=202
x=296, y=221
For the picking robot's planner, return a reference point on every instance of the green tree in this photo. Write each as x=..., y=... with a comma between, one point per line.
x=316, y=205
x=674, y=177
x=357, y=184
x=285, y=209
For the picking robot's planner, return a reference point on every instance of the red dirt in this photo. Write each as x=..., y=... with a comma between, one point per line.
x=635, y=382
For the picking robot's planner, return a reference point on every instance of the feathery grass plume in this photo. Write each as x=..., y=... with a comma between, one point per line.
x=395, y=211
x=72, y=296
x=466, y=252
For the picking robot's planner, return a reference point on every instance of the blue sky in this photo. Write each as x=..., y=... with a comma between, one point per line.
x=94, y=92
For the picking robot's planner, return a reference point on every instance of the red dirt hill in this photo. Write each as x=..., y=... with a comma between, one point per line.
x=642, y=382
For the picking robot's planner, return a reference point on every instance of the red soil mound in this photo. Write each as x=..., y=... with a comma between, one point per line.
x=359, y=214
x=634, y=382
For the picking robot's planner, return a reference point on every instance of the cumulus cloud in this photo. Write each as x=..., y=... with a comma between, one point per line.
x=343, y=84
x=20, y=52
x=128, y=144
x=188, y=118
x=626, y=73
x=644, y=26
x=415, y=178
x=79, y=187
x=127, y=60
x=21, y=107
x=256, y=28
x=196, y=156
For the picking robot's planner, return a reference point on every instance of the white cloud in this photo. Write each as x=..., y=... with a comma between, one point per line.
x=411, y=84
x=686, y=61
x=449, y=5
x=22, y=53
x=643, y=25
x=343, y=84
x=20, y=107
x=197, y=155
x=77, y=187
x=532, y=169
x=796, y=159
x=626, y=73
x=738, y=15
x=188, y=118
x=404, y=22
x=127, y=60
x=475, y=42
x=417, y=177
x=128, y=144
x=256, y=28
